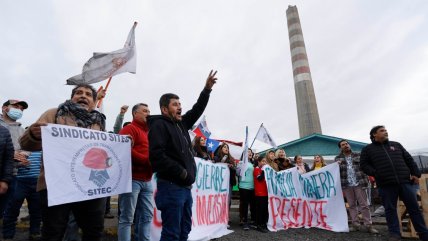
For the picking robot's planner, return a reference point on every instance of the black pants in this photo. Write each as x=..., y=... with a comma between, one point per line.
x=262, y=212
x=89, y=216
x=108, y=206
x=246, y=197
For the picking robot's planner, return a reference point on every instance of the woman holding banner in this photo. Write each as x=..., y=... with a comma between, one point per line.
x=318, y=163
x=301, y=166
x=223, y=156
x=246, y=193
x=270, y=160
x=200, y=147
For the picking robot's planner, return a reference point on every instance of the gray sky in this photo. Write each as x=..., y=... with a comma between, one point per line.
x=368, y=60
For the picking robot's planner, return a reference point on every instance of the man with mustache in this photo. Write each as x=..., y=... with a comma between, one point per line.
x=354, y=182
x=171, y=156
x=78, y=111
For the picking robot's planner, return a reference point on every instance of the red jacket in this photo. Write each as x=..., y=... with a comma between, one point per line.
x=141, y=167
x=260, y=187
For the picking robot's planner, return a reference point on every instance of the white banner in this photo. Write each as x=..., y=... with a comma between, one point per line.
x=82, y=164
x=313, y=199
x=210, y=210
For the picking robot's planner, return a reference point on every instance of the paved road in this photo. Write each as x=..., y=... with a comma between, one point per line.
x=253, y=235
x=301, y=234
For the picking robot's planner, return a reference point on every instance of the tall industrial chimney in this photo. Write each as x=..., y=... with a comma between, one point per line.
x=307, y=111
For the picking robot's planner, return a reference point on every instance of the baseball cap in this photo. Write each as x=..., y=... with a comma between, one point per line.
x=19, y=102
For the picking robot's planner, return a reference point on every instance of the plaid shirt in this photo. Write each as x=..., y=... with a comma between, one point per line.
x=361, y=177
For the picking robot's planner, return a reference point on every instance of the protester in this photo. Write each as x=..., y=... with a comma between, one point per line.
x=256, y=157
x=270, y=160
x=78, y=111
x=246, y=192
x=395, y=172
x=138, y=201
x=200, y=148
x=282, y=160
x=251, y=156
x=223, y=156
x=172, y=159
x=354, y=184
x=25, y=188
x=6, y=159
x=261, y=196
x=318, y=163
x=119, y=119
x=12, y=110
x=301, y=166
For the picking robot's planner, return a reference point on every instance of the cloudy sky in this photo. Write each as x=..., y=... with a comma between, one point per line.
x=369, y=61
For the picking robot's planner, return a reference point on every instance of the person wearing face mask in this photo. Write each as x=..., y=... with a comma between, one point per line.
x=77, y=111
x=12, y=110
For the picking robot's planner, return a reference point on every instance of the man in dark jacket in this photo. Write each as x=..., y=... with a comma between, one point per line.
x=171, y=156
x=6, y=159
x=395, y=172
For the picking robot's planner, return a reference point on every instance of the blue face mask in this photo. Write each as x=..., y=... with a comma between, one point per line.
x=14, y=113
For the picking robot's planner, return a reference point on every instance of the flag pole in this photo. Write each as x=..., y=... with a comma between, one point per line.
x=101, y=100
x=256, y=136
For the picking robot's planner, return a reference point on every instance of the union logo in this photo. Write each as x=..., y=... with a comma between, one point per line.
x=118, y=62
x=96, y=169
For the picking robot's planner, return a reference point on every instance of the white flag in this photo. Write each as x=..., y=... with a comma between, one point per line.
x=105, y=65
x=264, y=136
x=243, y=165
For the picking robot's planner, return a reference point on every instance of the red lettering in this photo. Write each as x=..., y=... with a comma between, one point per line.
x=273, y=201
x=296, y=213
x=200, y=210
x=307, y=214
x=322, y=216
x=156, y=221
x=284, y=213
x=212, y=209
x=209, y=221
x=225, y=208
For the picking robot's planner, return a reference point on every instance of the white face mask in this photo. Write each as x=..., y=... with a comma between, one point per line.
x=14, y=113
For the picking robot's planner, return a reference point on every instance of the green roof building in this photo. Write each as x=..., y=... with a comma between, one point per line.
x=316, y=144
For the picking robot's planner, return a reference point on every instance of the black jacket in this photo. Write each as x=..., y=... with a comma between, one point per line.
x=388, y=162
x=6, y=155
x=170, y=148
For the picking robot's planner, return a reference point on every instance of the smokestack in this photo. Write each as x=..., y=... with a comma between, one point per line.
x=307, y=111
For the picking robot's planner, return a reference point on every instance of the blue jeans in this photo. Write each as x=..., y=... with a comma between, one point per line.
x=138, y=202
x=175, y=204
x=407, y=194
x=25, y=189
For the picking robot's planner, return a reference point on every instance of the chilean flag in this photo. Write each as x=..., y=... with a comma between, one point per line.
x=212, y=145
x=202, y=129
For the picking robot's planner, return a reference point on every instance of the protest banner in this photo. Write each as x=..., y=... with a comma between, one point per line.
x=313, y=199
x=83, y=164
x=210, y=210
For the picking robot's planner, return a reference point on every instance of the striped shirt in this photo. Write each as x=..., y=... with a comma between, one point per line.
x=33, y=169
